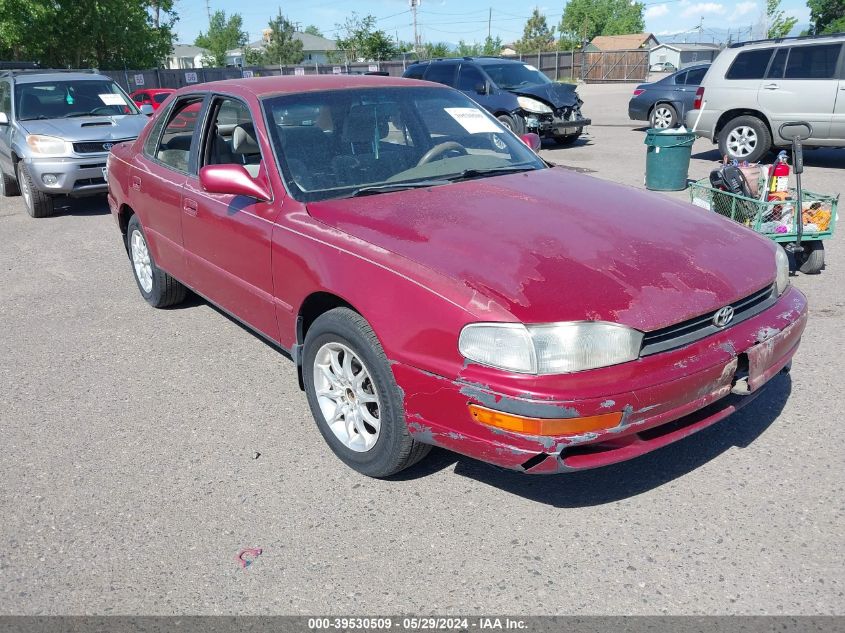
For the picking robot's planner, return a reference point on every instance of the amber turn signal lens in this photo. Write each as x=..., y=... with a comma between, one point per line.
x=543, y=426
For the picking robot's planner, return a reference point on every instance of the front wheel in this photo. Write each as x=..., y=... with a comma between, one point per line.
x=354, y=398
x=157, y=287
x=745, y=138
x=8, y=186
x=513, y=122
x=38, y=204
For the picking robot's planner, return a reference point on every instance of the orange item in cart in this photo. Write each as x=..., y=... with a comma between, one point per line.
x=778, y=195
x=817, y=216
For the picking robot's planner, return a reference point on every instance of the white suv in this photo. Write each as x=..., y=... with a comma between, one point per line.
x=752, y=88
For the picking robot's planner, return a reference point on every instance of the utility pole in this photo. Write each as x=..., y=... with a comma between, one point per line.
x=489, y=20
x=700, y=26
x=414, y=4
x=208, y=11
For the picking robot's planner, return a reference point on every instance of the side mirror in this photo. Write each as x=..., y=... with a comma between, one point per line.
x=531, y=140
x=147, y=109
x=232, y=180
x=4, y=118
x=481, y=88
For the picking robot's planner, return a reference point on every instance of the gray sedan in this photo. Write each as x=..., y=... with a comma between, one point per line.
x=663, y=103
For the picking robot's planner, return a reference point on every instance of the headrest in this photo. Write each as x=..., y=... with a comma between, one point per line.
x=243, y=140
x=360, y=125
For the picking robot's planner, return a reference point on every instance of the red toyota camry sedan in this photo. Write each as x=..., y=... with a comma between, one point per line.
x=437, y=283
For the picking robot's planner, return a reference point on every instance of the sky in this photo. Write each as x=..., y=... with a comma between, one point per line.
x=454, y=20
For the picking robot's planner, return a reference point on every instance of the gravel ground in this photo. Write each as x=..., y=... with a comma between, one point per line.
x=130, y=484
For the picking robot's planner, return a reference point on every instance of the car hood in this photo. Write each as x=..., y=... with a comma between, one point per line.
x=92, y=128
x=558, y=95
x=552, y=245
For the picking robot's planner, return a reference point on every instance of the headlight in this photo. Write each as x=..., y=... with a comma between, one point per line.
x=782, y=263
x=46, y=144
x=532, y=105
x=554, y=348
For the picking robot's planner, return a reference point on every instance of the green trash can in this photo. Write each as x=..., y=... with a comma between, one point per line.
x=667, y=159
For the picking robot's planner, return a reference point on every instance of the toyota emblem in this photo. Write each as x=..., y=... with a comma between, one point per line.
x=723, y=316
x=108, y=146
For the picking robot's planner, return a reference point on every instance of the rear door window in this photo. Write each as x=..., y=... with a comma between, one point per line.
x=469, y=78
x=5, y=99
x=680, y=79
x=415, y=72
x=694, y=77
x=750, y=64
x=174, y=148
x=441, y=73
x=812, y=62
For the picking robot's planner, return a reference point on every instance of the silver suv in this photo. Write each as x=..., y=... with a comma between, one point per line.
x=56, y=130
x=753, y=88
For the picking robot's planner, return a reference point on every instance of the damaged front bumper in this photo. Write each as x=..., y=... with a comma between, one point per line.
x=563, y=122
x=662, y=398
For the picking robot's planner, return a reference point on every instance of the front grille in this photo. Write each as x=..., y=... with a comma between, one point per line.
x=93, y=147
x=88, y=182
x=699, y=327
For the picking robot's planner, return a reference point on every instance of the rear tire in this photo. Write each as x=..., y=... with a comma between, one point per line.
x=377, y=442
x=663, y=117
x=812, y=259
x=745, y=138
x=8, y=186
x=157, y=287
x=38, y=204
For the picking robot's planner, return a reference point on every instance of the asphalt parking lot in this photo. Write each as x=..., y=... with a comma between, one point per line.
x=130, y=478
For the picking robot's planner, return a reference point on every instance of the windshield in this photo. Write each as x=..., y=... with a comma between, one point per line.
x=161, y=96
x=71, y=98
x=512, y=76
x=339, y=143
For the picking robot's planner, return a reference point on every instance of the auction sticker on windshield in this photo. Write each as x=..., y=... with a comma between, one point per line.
x=110, y=98
x=472, y=120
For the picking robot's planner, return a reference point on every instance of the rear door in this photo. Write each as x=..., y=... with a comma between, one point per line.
x=801, y=85
x=691, y=83
x=227, y=238
x=837, y=123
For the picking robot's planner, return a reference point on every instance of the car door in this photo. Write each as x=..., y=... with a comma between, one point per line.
x=473, y=83
x=801, y=85
x=227, y=238
x=837, y=122
x=692, y=81
x=679, y=90
x=157, y=181
x=6, y=129
x=442, y=73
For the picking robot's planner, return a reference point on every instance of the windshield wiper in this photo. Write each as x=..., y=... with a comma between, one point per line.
x=467, y=174
x=78, y=114
x=394, y=186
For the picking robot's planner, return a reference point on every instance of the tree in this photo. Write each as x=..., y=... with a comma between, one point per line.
x=432, y=50
x=468, y=50
x=585, y=19
x=779, y=24
x=537, y=36
x=362, y=42
x=282, y=48
x=223, y=35
x=492, y=46
x=313, y=30
x=105, y=34
x=828, y=16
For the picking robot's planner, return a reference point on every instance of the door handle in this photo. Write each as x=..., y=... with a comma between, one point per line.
x=771, y=87
x=136, y=183
x=190, y=207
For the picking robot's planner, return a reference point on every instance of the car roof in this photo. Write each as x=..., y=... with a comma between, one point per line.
x=481, y=60
x=32, y=78
x=260, y=87
x=788, y=41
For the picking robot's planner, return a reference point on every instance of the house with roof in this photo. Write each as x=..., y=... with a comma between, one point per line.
x=185, y=56
x=629, y=42
x=681, y=55
x=315, y=49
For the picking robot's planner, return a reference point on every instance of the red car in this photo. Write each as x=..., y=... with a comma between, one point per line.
x=437, y=283
x=152, y=96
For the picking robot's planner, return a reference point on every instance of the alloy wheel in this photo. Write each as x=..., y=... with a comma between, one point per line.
x=141, y=261
x=347, y=396
x=742, y=141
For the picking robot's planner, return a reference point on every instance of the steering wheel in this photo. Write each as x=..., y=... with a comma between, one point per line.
x=108, y=110
x=439, y=149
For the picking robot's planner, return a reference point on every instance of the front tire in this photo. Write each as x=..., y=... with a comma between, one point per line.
x=745, y=138
x=354, y=398
x=157, y=287
x=38, y=204
x=513, y=122
x=811, y=260
x=663, y=117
